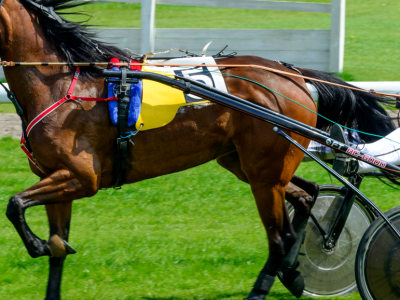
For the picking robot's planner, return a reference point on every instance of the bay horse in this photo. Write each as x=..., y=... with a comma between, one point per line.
x=74, y=145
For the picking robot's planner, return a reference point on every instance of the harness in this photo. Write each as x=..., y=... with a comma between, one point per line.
x=122, y=97
x=123, y=106
x=27, y=130
x=122, y=141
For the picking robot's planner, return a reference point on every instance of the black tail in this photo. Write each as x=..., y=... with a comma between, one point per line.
x=349, y=107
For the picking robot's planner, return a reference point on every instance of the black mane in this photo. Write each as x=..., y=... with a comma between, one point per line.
x=71, y=37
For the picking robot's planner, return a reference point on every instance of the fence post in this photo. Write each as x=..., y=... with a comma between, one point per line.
x=338, y=17
x=148, y=12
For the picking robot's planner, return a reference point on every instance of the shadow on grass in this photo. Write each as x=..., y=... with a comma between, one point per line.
x=272, y=295
x=214, y=297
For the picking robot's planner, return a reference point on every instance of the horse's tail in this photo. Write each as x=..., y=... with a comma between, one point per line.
x=349, y=107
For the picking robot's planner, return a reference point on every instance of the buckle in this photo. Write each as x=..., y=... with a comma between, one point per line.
x=123, y=88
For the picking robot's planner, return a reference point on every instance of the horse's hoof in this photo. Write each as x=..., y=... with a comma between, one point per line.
x=59, y=247
x=297, y=287
x=293, y=281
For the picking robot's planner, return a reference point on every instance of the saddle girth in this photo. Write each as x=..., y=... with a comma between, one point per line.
x=121, y=154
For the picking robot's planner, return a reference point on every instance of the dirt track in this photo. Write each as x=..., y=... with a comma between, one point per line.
x=10, y=124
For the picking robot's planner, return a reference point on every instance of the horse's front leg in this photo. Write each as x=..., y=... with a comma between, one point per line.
x=60, y=187
x=59, y=216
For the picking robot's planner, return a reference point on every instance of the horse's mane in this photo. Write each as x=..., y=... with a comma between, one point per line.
x=71, y=37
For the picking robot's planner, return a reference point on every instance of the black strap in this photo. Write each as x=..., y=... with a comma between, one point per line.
x=48, y=11
x=123, y=103
x=20, y=113
x=290, y=66
x=187, y=87
x=121, y=154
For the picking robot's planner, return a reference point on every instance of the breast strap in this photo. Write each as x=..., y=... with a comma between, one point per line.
x=46, y=112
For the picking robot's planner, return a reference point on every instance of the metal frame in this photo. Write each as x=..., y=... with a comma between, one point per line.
x=281, y=121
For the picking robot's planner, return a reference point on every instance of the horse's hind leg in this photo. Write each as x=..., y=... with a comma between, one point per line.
x=301, y=193
x=302, y=196
x=269, y=198
x=269, y=163
x=59, y=216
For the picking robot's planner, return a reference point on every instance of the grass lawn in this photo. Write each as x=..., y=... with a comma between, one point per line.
x=6, y=108
x=191, y=235
x=195, y=234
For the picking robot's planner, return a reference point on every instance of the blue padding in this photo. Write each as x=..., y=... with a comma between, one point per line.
x=113, y=105
x=135, y=102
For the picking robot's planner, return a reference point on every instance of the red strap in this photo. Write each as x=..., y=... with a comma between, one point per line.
x=53, y=107
x=74, y=81
x=30, y=156
x=135, y=67
x=42, y=115
x=68, y=96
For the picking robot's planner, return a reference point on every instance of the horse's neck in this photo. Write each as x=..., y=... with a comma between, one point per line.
x=36, y=88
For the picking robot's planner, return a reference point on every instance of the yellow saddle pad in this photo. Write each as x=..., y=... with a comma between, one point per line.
x=160, y=103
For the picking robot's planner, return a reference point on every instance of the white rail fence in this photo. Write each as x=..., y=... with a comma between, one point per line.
x=316, y=49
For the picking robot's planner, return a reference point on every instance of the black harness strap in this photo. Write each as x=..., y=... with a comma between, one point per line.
x=48, y=11
x=290, y=66
x=121, y=154
x=20, y=113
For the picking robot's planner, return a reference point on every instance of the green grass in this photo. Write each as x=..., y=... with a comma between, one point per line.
x=7, y=108
x=190, y=235
x=195, y=234
x=125, y=15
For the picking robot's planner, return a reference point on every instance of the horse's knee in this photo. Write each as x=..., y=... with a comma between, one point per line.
x=14, y=208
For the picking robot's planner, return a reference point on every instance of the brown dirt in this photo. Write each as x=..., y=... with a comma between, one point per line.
x=10, y=124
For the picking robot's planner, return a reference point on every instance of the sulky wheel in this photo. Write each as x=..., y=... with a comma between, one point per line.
x=331, y=273
x=378, y=260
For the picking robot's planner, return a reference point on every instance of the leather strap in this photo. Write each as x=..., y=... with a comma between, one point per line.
x=82, y=64
x=48, y=11
x=270, y=70
x=24, y=139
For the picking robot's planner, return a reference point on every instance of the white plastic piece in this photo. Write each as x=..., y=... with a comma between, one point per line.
x=3, y=94
x=203, y=53
x=313, y=91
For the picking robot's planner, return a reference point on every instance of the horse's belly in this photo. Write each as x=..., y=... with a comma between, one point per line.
x=197, y=135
